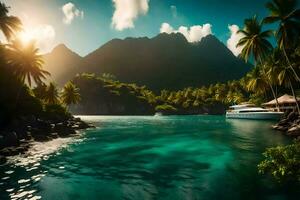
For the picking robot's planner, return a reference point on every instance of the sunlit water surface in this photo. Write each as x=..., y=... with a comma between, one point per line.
x=186, y=157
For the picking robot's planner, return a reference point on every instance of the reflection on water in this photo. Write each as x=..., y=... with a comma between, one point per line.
x=30, y=166
x=190, y=157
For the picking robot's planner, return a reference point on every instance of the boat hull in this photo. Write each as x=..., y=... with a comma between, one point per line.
x=257, y=115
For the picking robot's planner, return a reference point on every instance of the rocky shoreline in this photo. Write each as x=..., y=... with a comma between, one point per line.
x=17, y=138
x=289, y=125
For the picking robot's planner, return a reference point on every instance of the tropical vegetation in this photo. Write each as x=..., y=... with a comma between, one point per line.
x=282, y=163
x=70, y=94
x=22, y=78
x=276, y=66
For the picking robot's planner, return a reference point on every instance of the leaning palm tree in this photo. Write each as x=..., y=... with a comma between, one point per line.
x=279, y=73
x=272, y=66
x=286, y=78
x=51, y=95
x=255, y=44
x=70, y=94
x=8, y=24
x=26, y=62
x=288, y=15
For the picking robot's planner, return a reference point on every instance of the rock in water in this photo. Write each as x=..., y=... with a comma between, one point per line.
x=294, y=131
x=11, y=139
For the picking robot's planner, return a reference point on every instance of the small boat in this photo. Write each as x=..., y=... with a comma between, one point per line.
x=250, y=111
x=158, y=114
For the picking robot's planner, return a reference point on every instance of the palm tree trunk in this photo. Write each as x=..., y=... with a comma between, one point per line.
x=290, y=65
x=270, y=84
x=273, y=92
x=294, y=95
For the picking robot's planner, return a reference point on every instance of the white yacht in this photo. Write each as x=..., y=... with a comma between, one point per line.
x=250, y=111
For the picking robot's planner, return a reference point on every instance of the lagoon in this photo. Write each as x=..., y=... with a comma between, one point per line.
x=146, y=157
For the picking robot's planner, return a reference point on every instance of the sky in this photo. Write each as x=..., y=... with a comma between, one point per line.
x=85, y=25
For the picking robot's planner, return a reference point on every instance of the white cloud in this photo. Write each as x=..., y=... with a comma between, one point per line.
x=192, y=34
x=174, y=11
x=43, y=35
x=166, y=28
x=234, y=39
x=126, y=11
x=71, y=12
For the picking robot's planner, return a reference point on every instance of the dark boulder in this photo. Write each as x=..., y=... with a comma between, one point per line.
x=9, y=151
x=2, y=142
x=2, y=160
x=292, y=116
x=82, y=125
x=64, y=130
x=44, y=125
x=54, y=135
x=41, y=137
x=10, y=139
x=294, y=131
x=290, y=124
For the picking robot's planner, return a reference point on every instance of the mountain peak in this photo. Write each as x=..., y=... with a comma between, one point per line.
x=60, y=47
x=210, y=38
x=170, y=36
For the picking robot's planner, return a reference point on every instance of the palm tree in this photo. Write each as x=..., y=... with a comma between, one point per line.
x=286, y=77
x=279, y=73
x=26, y=62
x=40, y=91
x=238, y=97
x=70, y=94
x=272, y=67
x=51, y=95
x=221, y=92
x=230, y=98
x=255, y=43
x=256, y=81
x=286, y=13
x=8, y=24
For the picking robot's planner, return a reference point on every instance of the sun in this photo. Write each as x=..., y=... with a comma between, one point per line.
x=26, y=36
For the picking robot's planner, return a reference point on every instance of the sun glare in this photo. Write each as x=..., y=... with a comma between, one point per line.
x=26, y=37
x=42, y=35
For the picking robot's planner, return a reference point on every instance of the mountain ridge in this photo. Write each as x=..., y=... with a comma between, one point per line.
x=157, y=62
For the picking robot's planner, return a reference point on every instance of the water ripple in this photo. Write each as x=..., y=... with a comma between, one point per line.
x=169, y=158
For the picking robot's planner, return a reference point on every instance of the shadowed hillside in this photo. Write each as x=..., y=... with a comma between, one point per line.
x=62, y=63
x=165, y=61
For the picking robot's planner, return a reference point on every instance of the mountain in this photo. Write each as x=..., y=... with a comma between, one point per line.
x=62, y=63
x=165, y=61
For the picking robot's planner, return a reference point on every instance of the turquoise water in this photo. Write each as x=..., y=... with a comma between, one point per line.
x=186, y=157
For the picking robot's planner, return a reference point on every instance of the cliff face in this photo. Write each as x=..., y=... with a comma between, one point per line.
x=106, y=97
